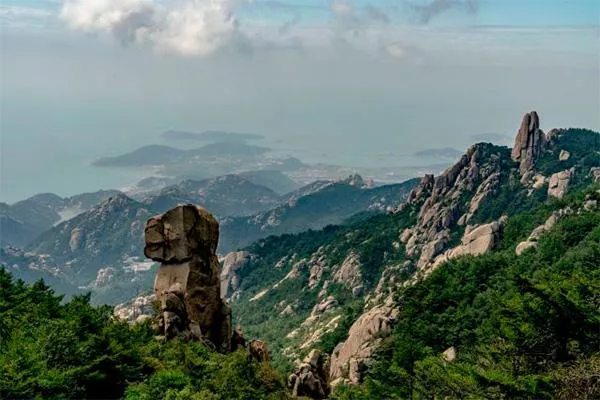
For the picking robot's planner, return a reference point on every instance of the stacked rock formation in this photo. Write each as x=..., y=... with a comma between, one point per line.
x=310, y=378
x=184, y=240
x=529, y=143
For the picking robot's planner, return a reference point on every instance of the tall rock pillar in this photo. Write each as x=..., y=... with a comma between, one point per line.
x=184, y=240
x=529, y=143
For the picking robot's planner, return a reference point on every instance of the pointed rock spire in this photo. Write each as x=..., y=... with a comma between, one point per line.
x=529, y=143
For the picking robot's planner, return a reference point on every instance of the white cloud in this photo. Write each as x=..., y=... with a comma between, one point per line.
x=190, y=27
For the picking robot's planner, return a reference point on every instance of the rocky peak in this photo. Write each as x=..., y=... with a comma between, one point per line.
x=114, y=203
x=357, y=181
x=422, y=190
x=529, y=143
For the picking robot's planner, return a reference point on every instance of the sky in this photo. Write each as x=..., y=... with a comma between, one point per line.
x=359, y=83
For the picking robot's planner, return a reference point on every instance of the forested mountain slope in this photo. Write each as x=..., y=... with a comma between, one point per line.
x=337, y=289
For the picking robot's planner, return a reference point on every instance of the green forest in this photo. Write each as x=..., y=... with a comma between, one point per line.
x=55, y=350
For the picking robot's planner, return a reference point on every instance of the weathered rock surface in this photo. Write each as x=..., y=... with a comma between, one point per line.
x=527, y=244
x=449, y=354
x=136, y=310
x=349, y=273
x=595, y=173
x=77, y=239
x=564, y=155
x=187, y=284
x=230, y=279
x=348, y=358
x=559, y=183
x=476, y=240
x=540, y=230
x=310, y=378
x=258, y=350
x=443, y=206
x=529, y=143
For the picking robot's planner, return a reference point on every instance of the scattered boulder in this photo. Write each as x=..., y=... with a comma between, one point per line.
x=559, y=183
x=135, y=310
x=104, y=276
x=538, y=181
x=184, y=240
x=529, y=143
x=564, y=155
x=449, y=354
x=310, y=378
x=422, y=190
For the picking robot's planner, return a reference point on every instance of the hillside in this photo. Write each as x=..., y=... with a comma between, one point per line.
x=98, y=250
x=21, y=222
x=313, y=207
x=228, y=195
x=337, y=289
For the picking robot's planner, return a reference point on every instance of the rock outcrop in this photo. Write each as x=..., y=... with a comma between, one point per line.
x=443, y=205
x=559, y=183
x=349, y=272
x=230, y=279
x=595, y=173
x=258, y=350
x=564, y=155
x=348, y=360
x=476, y=240
x=77, y=239
x=310, y=378
x=184, y=240
x=136, y=310
x=529, y=143
x=535, y=235
x=449, y=355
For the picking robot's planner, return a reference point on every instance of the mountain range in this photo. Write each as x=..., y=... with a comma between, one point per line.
x=100, y=249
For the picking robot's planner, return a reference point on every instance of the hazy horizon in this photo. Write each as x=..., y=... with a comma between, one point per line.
x=354, y=83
